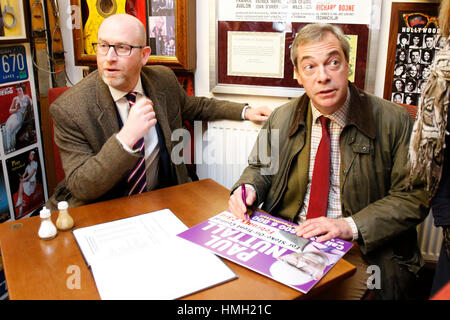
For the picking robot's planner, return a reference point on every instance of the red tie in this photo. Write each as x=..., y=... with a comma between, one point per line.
x=136, y=177
x=320, y=185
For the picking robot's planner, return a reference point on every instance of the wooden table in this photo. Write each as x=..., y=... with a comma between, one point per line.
x=38, y=269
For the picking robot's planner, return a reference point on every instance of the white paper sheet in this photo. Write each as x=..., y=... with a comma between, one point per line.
x=141, y=258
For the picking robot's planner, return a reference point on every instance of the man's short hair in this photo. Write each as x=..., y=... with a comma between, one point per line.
x=315, y=32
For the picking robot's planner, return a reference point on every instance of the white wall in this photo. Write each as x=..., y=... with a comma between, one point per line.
x=74, y=74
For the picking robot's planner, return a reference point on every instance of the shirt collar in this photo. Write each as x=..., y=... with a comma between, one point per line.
x=118, y=94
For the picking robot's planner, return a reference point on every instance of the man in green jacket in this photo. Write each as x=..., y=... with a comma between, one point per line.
x=367, y=145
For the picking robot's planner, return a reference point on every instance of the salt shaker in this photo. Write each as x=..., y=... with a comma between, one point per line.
x=64, y=221
x=47, y=230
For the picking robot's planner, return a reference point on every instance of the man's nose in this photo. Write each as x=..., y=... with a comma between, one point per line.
x=111, y=54
x=323, y=74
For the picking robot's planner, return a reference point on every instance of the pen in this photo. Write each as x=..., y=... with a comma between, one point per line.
x=244, y=197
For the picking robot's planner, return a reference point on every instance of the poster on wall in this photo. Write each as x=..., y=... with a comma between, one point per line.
x=411, y=50
x=4, y=206
x=262, y=60
x=17, y=119
x=25, y=181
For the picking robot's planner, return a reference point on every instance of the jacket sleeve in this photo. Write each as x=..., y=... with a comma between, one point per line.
x=401, y=209
x=89, y=174
x=262, y=162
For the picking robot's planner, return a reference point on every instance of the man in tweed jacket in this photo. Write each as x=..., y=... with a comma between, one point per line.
x=96, y=151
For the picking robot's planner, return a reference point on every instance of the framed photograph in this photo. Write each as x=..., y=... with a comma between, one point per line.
x=414, y=40
x=13, y=26
x=170, y=28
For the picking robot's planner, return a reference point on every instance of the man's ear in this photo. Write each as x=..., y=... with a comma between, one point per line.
x=146, y=51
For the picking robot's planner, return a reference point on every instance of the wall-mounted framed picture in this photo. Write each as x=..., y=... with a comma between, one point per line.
x=250, y=42
x=13, y=25
x=414, y=39
x=170, y=28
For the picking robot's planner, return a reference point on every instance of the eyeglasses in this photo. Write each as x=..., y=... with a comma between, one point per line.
x=120, y=49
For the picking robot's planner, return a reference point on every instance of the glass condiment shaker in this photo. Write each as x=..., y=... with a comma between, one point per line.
x=47, y=229
x=64, y=221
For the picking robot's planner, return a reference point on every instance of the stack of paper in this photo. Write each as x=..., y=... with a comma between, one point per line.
x=141, y=258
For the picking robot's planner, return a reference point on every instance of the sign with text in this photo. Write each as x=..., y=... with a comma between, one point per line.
x=13, y=64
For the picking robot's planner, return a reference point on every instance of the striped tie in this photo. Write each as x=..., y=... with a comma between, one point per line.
x=136, y=177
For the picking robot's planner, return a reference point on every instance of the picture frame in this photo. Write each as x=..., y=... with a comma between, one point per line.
x=232, y=17
x=413, y=41
x=13, y=25
x=181, y=18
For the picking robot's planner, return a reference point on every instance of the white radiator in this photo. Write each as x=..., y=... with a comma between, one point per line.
x=225, y=147
x=430, y=239
x=228, y=145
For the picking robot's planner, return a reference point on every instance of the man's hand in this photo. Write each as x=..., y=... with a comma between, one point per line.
x=140, y=119
x=328, y=228
x=257, y=114
x=236, y=206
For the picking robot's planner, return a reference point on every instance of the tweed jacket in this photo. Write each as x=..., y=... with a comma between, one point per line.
x=85, y=122
x=373, y=179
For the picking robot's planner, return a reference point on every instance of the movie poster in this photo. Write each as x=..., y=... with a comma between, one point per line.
x=25, y=181
x=17, y=122
x=418, y=40
x=4, y=205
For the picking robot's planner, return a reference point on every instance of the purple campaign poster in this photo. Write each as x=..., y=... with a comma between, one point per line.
x=268, y=245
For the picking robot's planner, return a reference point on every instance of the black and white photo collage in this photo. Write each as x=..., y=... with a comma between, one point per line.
x=414, y=55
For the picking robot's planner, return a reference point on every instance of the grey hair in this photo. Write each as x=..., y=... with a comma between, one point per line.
x=315, y=32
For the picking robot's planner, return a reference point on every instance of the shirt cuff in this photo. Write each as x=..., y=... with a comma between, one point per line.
x=243, y=111
x=250, y=186
x=125, y=147
x=352, y=224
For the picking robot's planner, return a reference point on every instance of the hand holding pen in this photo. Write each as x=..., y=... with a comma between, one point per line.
x=241, y=198
x=244, y=199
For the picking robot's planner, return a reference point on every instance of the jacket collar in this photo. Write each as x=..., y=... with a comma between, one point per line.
x=359, y=113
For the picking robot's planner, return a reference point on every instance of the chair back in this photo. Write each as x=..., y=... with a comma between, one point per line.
x=55, y=171
x=411, y=109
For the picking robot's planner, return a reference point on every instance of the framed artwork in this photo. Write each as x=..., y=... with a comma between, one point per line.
x=13, y=25
x=170, y=26
x=414, y=39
